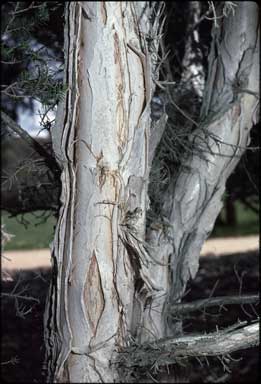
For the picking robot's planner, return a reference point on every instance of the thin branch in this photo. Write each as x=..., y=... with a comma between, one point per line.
x=11, y=62
x=31, y=142
x=27, y=9
x=11, y=18
x=212, y=302
x=14, y=360
x=17, y=296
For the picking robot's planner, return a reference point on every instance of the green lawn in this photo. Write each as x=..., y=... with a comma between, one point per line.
x=35, y=235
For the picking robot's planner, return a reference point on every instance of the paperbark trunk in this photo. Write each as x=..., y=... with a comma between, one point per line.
x=110, y=278
x=229, y=110
x=101, y=280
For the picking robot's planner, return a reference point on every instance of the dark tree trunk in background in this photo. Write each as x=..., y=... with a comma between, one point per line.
x=231, y=218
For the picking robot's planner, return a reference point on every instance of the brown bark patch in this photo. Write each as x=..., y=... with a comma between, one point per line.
x=116, y=48
x=103, y=12
x=121, y=112
x=93, y=294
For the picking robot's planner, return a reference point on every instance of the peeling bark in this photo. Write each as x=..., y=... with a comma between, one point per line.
x=113, y=279
x=169, y=350
x=101, y=278
x=228, y=113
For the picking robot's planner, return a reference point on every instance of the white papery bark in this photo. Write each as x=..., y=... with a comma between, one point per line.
x=110, y=282
x=229, y=111
x=101, y=277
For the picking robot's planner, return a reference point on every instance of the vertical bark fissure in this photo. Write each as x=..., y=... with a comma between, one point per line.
x=58, y=314
x=107, y=279
x=102, y=147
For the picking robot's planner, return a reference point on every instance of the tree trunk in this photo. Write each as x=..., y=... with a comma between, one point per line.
x=113, y=279
x=229, y=110
x=101, y=279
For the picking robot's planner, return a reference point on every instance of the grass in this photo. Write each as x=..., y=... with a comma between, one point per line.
x=37, y=235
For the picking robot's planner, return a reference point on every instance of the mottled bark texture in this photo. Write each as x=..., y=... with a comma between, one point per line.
x=229, y=110
x=101, y=280
x=111, y=278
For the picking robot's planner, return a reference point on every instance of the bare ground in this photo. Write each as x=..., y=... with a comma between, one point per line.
x=22, y=321
x=40, y=258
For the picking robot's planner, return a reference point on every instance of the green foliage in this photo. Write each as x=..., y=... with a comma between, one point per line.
x=40, y=84
x=34, y=63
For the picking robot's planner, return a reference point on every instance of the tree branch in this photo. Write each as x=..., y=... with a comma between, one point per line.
x=167, y=351
x=17, y=296
x=182, y=308
x=49, y=160
x=206, y=169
